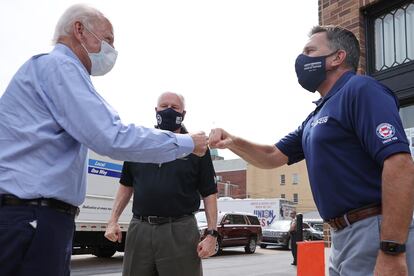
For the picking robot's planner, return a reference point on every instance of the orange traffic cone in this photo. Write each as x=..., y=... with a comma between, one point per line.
x=311, y=258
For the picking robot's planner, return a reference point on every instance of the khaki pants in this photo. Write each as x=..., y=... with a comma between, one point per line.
x=168, y=249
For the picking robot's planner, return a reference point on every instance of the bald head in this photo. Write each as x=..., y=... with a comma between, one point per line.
x=171, y=100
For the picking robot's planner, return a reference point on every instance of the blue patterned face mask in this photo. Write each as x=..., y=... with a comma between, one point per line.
x=169, y=119
x=311, y=71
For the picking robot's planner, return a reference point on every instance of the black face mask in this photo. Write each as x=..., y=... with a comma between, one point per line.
x=311, y=71
x=169, y=119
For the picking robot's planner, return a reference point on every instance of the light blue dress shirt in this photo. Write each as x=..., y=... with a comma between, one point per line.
x=50, y=114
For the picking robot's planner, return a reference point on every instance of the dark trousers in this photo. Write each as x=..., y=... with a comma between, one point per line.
x=35, y=241
x=293, y=245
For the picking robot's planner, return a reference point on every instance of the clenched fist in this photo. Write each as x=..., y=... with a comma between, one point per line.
x=113, y=232
x=220, y=139
x=206, y=247
x=200, y=143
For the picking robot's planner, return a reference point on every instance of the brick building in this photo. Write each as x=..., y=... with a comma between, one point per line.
x=385, y=30
x=231, y=177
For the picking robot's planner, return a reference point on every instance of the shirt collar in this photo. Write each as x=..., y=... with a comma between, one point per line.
x=65, y=50
x=337, y=86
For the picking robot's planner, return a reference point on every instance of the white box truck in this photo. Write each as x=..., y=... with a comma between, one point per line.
x=103, y=181
x=266, y=209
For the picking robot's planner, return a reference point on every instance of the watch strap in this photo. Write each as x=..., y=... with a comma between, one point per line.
x=212, y=232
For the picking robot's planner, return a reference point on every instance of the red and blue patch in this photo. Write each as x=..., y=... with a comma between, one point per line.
x=385, y=131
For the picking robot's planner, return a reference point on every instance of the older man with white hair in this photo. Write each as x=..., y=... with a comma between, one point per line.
x=163, y=237
x=50, y=114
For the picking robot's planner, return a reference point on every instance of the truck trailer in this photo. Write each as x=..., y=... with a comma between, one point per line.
x=266, y=209
x=102, y=184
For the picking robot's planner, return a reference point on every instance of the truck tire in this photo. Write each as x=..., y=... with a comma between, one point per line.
x=250, y=248
x=104, y=252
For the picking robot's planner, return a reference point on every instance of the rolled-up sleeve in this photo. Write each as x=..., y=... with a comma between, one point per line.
x=72, y=100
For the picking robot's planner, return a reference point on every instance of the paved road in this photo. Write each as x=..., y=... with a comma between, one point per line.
x=234, y=261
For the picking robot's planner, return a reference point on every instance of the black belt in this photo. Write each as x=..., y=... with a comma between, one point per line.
x=11, y=200
x=159, y=220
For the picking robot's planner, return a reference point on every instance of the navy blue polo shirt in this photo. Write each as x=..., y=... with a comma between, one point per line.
x=345, y=141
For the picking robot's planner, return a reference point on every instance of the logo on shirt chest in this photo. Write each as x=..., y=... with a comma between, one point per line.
x=320, y=121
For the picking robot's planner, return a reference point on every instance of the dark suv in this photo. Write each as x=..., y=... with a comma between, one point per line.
x=235, y=229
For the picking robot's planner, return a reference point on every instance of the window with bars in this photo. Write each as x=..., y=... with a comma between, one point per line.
x=282, y=196
x=394, y=37
x=282, y=179
x=295, y=179
x=295, y=198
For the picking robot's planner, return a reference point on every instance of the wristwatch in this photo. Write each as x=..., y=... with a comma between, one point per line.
x=392, y=247
x=212, y=232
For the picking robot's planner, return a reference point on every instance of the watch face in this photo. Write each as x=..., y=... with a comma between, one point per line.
x=392, y=248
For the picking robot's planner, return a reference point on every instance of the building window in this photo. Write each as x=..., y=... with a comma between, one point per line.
x=394, y=37
x=296, y=198
x=407, y=117
x=390, y=47
x=295, y=179
x=282, y=179
x=282, y=196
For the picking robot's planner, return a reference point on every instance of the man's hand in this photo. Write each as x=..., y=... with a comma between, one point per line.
x=113, y=232
x=388, y=265
x=206, y=247
x=200, y=143
x=220, y=139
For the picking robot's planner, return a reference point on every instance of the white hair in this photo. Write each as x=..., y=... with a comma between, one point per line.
x=181, y=97
x=79, y=12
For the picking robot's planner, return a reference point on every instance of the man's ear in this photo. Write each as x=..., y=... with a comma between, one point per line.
x=338, y=58
x=78, y=30
x=184, y=114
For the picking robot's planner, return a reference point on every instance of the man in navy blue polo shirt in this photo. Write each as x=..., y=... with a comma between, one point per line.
x=360, y=168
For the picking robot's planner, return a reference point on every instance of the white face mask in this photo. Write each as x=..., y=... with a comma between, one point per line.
x=103, y=61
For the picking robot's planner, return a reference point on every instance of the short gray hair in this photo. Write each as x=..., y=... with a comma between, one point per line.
x=340, y=38
x=79, y=12
x=181, y=97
